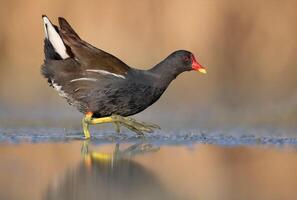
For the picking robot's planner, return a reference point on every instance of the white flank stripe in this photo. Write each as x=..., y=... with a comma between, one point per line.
x=54, y=38
x=105, y=73
x=83, y=79
x=59, y=89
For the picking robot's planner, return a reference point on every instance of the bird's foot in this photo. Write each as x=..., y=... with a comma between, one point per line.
x=136, y=126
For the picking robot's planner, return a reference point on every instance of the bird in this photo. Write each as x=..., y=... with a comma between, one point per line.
x=103, y=87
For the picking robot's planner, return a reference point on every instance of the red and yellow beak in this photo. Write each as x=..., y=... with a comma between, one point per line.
x=197, y=67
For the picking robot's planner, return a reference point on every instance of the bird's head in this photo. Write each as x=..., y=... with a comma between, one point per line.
x=186, y=61
x=176, y=63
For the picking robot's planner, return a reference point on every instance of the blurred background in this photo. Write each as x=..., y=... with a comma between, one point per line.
x=248, y=46
x=249, y=49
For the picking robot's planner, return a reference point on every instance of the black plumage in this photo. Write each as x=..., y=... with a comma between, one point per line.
x=95, y=81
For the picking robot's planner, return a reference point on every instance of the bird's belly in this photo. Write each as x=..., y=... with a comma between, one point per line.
x=126, y=102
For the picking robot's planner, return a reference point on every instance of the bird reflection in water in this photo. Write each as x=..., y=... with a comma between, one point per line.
x=110, y=176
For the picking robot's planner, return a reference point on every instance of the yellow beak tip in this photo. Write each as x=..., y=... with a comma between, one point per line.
x=203, y=71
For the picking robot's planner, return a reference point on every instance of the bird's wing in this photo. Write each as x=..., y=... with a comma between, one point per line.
x=90, y=57
x=81, y=88
x=80, y=72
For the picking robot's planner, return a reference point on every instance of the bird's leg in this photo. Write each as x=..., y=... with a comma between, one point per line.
x=117, y=126
x=87, y=120
x=128, y=122
x=85, y=124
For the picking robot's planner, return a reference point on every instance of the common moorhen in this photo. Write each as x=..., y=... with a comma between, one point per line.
x=100, y=85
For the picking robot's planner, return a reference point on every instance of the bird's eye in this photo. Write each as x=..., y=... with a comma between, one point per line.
x=187, y=59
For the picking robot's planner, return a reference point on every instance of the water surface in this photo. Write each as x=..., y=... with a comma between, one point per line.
x=181, y=165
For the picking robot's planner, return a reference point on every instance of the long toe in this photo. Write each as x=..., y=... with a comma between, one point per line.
x=150, y=125
x=136, y=126
x=132, y=128
x=145, y=124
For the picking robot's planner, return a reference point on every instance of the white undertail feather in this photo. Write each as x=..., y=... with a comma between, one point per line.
x=59, y=89
x=52, y=35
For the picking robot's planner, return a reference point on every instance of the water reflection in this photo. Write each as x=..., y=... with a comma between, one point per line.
x=110, y=176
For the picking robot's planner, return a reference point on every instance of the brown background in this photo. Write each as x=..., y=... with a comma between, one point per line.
x=248, y=46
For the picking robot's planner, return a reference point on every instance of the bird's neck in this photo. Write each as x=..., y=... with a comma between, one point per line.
x=163, y=73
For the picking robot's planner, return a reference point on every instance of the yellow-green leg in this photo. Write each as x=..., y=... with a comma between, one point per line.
x=87, y=120
x=117, y=127
x=117, y=120
x=85, y=124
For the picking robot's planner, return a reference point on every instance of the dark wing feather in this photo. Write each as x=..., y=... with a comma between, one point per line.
x=66, y=27
x=71, y=76
x=59, y=74
x=66, y=76
x=88, y=55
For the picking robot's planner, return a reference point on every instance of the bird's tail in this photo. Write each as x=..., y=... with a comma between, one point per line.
x=67, y=29
x=54, y=47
